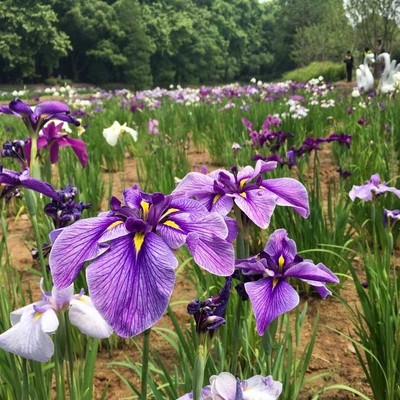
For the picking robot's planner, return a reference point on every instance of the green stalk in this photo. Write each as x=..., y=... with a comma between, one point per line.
x=70, y=355
x=236, y=337
x=42, y=262
x=198, y=372
x=145, y=363
x=25, y=380
x=242, y=251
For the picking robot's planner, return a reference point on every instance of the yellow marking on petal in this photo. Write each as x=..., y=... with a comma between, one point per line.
x=169, y=212
x=281, y=263
x=138, y=240
x=145, y=208
x=216, y=198
x=244, y=194
x=242, y=183
x=172, y=224
x=274, y=282
x=37, y=315
x=114, y=224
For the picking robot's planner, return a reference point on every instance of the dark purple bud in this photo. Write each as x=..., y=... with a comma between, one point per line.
x=209, y=314
x=64, y=210
x=344, y=173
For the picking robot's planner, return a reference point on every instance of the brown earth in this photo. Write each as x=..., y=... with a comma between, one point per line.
x=333, y=354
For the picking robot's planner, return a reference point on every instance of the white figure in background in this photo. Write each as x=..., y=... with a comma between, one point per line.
x=390, y=77
x=396, y=76
x=364, y=77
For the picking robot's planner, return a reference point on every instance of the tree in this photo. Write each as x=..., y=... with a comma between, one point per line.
x=292, y=16
x=134, y=44
x=30, y=43
x=375, y=20
x=325, y=40
x=94, y=34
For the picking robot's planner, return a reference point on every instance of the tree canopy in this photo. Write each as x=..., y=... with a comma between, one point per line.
x=158, y=42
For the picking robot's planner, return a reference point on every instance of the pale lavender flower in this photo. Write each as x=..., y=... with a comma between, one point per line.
x=226, y=387
x=152, y=127
x=372, y=188
x=32, y=325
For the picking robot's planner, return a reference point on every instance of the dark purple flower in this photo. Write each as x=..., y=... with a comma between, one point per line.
x=342, y=138
x=271, y=296
x=10, y=180
x=35, y=118
x=210, y=314
x=344, y=173
x=64, y=210
x=257, y=197
x=50, y=139
x=291, y=157
x=131, y=276
x=362, y=121
x=390, y=216
x=15, y=149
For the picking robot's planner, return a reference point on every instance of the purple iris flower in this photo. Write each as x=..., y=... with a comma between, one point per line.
x=131, y=277
x=342, y=138
x=257, y=197
x=390, y=216
x=49, y=138
x=371, y=189
x=10, y=180
x=35, y=118
x=271, y=296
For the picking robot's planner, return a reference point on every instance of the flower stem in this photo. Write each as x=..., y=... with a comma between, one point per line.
x=25, y=380
x=70, y=354
x=145, y=363
x=42, y=262
x=198, y=372
x=236, y=337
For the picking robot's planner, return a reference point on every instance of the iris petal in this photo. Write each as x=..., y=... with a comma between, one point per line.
x=133, y=294
x=270, y=300
x=289, y=192
x=258, y=205
x=87, y=319
x=28, y=338
x=74, y=246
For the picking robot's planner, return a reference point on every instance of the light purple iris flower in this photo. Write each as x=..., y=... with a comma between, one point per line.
x=132, y=277
x=10, y=180
x=226, y=387
x=371, y=189
x=35, y=118
x=32, y=325
x=390, y=216
x=255, y=196
x=49, y=138
x=271, y=296
x=152, y=127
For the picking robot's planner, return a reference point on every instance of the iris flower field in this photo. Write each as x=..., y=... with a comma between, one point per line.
x=230, y=242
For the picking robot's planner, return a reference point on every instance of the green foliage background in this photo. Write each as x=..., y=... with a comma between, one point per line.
x=143, y=43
